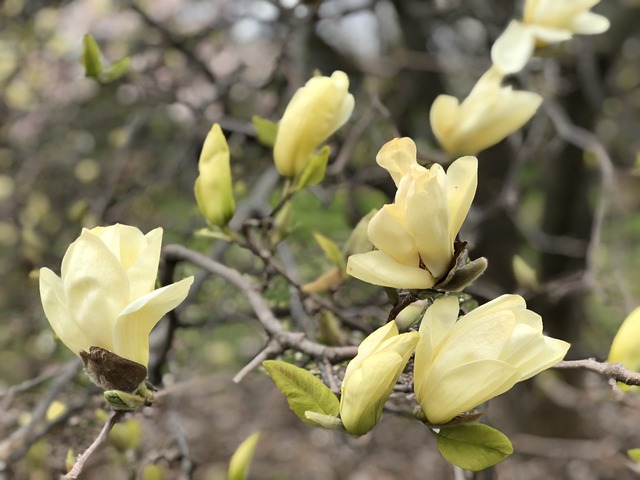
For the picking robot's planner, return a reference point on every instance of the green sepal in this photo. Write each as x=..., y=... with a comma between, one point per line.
x=326, y=421
x=473, y=447
x=119, y=400
x=304, y=392
x=313, y=171
x=91, y=56
x=266, y=130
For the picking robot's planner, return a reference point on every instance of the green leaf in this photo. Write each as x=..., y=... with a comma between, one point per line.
x=313, y=171
x=116, y=70
x=91, y=56
x=330, y=249
x=266, y=130
x=473, y=447
x=304, y=392
x=241, y=459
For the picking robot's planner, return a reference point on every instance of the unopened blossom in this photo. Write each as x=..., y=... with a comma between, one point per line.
x=625, y=347
x=544, y=22
x=213, y=188
x=371, y=376
x=489, y=114
x=414, y=236
x=461, y=363
x=314, y=113
x=106, y=296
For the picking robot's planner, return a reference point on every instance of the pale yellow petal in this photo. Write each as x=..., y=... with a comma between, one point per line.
x=444, y=116
x=143, y=271
x=588, y=23
x=510, y=111
x=426, y=218
x=552, y=352
x=55, y=308
x=513, y=49
x=551, y=34
x=625, y=347
x=380, y=269
x=503, y=302
x=436, y=325
x=462, y=177
x=315, y=112
x=96, y=288
x=369, y=345
x=465, y=387
x=367, y=390
x=132, y=328
x=397, y=156
x=387, y=232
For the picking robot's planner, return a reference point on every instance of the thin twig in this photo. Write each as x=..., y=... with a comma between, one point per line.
x=270, y=323
x=272, y=349
x=100, y=439
x=615, y=371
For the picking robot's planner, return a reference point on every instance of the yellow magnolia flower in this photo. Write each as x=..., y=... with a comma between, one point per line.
x=544, y=22
x=489, y=114
x=314, y=113
x=213, y=188
x=371, y=376
x=414, y=235
x=625, y=347
x=461, y=363
x=105, y=296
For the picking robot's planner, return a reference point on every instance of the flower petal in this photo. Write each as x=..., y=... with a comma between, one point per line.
x=55, y=308
x=367, y=390
x=397, y=156
x=143, y=272
x=133, y=326
x=426, y=218
x=443, y=117
x=463, y=181
x=96, y=288
x=449, y=396
x=589, y=23
x=379, y=268
x=513, y=49
x=387, y=232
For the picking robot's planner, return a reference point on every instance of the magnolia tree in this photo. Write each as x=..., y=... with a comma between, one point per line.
x=438, y=346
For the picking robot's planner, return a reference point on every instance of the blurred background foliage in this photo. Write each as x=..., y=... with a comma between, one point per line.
x=78, y=153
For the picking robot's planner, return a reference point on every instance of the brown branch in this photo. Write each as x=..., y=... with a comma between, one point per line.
x=100, y=439
x=298, y=341
x=615, y=371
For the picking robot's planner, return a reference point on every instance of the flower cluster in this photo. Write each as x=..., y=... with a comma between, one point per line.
x=414, y=236
x=492, y=111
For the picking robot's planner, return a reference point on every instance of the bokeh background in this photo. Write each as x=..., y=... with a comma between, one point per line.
x=563, y=194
